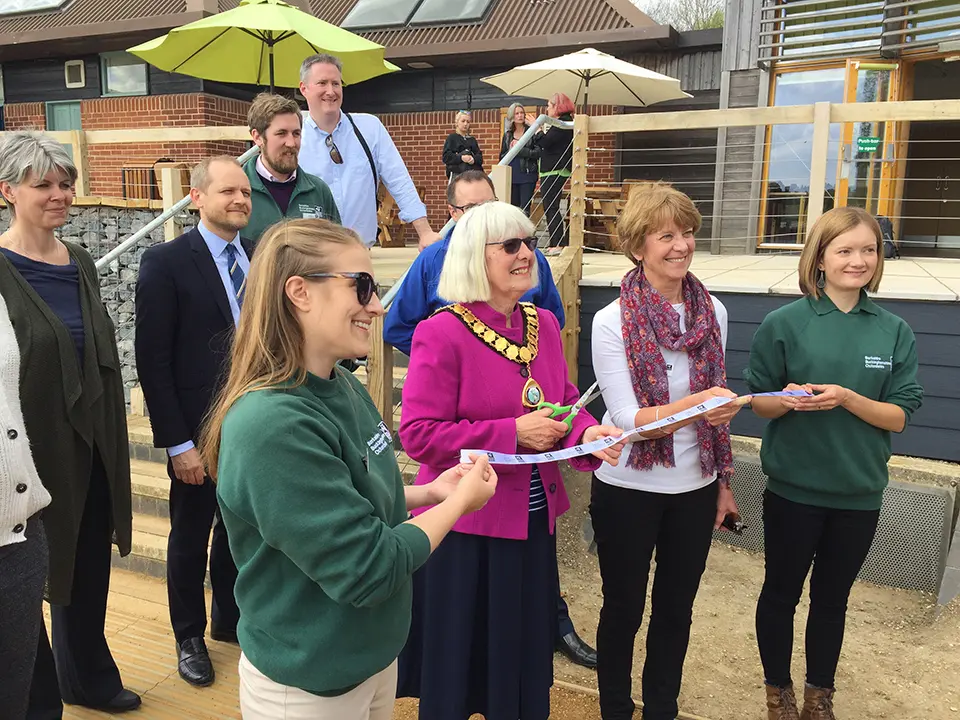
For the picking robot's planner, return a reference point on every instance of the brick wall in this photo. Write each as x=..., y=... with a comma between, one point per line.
x=420, y=136
x=190, y=110
x=25, y=116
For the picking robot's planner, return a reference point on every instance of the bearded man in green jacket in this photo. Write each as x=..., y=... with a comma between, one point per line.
x=279, y=187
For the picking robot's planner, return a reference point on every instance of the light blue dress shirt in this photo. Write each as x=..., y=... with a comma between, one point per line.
x=352, y=182
x=218, y=249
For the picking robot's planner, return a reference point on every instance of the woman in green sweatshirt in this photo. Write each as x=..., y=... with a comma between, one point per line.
x=309, y=488
x=825, y=455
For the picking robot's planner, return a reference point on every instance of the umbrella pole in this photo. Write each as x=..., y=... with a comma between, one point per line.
x=270, y=60
x=586, y=92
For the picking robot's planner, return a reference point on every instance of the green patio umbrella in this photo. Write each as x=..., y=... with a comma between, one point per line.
x=261, y=42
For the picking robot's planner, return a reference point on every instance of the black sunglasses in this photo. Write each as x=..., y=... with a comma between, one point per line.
x=366, y=286
x=334, y=150
x=512, y=246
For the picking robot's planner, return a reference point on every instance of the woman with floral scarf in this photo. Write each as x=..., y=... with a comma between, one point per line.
x=658, y=350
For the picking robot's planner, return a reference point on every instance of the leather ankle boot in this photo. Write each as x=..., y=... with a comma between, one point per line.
x=817, y=704
x=781, y=703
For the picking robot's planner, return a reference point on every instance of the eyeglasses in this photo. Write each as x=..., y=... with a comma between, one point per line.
x=512, y=246
x=471, y=206
x=366, y=285
x=334, y=150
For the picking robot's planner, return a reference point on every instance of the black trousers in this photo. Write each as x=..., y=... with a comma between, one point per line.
x=79, y=668
x=836, y=543
x=23, y=569
x=193, y=509
x=521, y=194
x=551, y=187
x=628, y=526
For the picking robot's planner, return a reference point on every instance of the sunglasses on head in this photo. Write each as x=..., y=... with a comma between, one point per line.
x=512, y=245
x=366, y=285
x=334, y=150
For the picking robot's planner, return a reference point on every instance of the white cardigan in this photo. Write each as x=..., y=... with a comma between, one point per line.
x=21, y=493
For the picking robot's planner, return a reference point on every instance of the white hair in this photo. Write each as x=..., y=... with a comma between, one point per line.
x=464, y=275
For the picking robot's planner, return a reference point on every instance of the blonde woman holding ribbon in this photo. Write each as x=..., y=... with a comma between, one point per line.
x=658, y=350
x=485, y=606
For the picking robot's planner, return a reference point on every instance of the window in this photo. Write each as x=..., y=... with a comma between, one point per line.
x=122, y=74
x=433, y=12
x=790, y=153
x=398, y=13
x=379, y=13
x=14, y=7
x=1, y=85
x=74, y=74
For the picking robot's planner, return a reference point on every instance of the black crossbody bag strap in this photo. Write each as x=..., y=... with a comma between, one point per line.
x=366, y=149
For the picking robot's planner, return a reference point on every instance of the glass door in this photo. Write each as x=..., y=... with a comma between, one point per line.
x=867, y=162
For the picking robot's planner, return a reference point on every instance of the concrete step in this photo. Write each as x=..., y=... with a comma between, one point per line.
x=150, y=490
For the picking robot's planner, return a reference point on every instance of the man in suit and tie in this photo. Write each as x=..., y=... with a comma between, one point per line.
x=188, y=300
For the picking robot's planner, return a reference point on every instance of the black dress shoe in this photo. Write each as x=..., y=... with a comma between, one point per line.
x=125, y=701
x=193, y=662
x=229, y=636
x=577, y=650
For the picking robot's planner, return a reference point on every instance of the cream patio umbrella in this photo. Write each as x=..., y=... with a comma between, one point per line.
x=592, y=75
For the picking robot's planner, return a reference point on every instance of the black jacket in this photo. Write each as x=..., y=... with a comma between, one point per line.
x=556, y=147
x=184, y=331
x=456, y=146
x=528, y=155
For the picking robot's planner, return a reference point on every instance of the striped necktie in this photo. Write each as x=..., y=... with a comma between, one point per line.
x=237, y=277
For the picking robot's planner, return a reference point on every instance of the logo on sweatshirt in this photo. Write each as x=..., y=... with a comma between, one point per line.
x=380, y=440
x=875, y=362
x=312, y=211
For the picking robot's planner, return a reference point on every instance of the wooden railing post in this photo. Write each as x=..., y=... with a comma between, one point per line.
x=570, y=279
x=818, y=162
x=78, y=142
x=171, y=189
x=502, y=177
x=380, y=372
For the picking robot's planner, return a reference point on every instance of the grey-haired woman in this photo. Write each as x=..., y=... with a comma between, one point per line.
x=525, y=165
x=73, y=409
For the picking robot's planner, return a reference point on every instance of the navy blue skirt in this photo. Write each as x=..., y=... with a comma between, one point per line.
x=484, y=628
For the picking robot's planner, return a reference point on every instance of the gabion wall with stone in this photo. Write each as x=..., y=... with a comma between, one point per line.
x=100, y=229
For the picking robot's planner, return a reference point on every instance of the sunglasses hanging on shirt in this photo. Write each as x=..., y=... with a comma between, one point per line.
x=334, y=150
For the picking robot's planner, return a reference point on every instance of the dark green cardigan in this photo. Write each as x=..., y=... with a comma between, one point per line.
x=67, y=414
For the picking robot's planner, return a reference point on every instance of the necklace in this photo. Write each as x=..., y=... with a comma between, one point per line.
x=523, y=355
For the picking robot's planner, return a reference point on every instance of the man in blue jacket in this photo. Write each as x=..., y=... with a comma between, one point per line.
x=417, y=300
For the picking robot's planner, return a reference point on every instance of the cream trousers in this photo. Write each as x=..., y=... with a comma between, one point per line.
x=263, y=699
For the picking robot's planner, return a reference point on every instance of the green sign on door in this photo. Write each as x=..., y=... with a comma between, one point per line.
x=867, y=144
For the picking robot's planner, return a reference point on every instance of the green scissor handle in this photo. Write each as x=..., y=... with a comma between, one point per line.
x=571, y=410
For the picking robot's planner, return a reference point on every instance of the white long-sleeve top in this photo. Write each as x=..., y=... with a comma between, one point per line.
x=613, y=375
x=21, y=492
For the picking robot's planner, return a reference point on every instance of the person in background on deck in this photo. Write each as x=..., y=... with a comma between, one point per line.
x=280, y=187
x=485, y=606
x=524, y=165
x=417, y=300
x=461, y=152
x=353, y=153
x=658, y=350
x=556, y=158
x=71, y=394
x=310, y=490
x=821, y=507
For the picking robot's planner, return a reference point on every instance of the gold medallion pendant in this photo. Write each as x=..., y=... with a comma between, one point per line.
x=523, y=355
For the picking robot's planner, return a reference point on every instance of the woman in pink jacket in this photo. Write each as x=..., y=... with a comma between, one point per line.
x=484, y=621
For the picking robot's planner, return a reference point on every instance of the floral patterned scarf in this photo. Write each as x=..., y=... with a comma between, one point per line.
x=649, y=323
